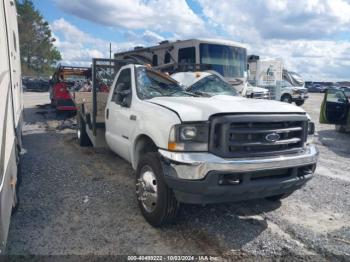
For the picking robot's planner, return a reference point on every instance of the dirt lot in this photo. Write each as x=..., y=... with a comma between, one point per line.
x=81, y=201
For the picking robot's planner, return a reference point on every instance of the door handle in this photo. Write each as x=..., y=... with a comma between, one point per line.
x=107, y=113
x=133, y=117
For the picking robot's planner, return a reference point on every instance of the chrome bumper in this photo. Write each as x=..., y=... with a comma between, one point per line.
x=195, y=166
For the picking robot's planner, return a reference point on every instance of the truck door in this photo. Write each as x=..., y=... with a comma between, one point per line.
x=335, y=107
x=120, y=120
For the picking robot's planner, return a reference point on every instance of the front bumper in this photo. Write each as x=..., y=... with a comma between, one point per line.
x=196, y=177
x=299, y=97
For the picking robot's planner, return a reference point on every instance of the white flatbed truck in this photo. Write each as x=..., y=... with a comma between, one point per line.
x=187, y=148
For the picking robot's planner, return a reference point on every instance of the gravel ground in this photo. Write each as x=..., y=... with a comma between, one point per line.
x=81, y=201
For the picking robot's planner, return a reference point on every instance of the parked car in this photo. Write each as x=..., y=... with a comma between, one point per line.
x=64, y=78
x=335, y=109
x=316, y=88
x=190, y=148
x=35, y=84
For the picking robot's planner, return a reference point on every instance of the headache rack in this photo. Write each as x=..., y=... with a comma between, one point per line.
x=235, y=136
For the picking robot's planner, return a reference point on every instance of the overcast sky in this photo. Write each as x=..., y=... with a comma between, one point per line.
x=311, y=36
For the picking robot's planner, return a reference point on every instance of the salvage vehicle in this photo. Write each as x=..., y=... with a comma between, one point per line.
x=228, y=58
x=284, y=85
x=62, y=80
x=317, y=88
x=188, y=148
x=11, y=116
x=335, y=109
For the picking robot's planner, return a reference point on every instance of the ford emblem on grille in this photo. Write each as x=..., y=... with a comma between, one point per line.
x=273, y=137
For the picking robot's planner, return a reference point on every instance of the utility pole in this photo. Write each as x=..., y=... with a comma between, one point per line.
x=110, y=58
x=110, y=50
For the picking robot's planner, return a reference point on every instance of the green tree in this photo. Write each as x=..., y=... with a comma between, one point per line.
x=38, y=53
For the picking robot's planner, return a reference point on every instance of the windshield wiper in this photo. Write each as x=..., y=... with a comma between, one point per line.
x=184, y=92
x=200, y=93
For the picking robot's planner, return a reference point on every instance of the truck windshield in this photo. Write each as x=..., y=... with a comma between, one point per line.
x=151, y=84
x=212, y=85
x=229, y=61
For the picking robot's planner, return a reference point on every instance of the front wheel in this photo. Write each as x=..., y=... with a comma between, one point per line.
x=286, y=98
x=300, y=102
x=156, y=200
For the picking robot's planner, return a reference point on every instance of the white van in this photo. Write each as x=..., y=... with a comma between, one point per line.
x=11, y=108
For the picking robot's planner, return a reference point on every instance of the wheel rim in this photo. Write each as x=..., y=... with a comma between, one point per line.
x=146, y=189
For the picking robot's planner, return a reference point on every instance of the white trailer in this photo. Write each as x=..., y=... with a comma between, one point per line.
x=11, y=108
x=271, y=74
x=228, y=58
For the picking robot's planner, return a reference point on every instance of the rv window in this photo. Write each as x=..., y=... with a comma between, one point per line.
x=229, y=61
x=167, y=58
x=155, y=60
x=187, y=55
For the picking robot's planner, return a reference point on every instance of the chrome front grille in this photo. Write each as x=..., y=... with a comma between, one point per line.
x=234, y=136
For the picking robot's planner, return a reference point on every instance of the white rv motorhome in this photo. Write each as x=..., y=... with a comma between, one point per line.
x=283, y=85
x=225, y=57
x=10, y=114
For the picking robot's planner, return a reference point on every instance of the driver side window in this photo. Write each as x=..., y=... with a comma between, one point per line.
x=122, y=91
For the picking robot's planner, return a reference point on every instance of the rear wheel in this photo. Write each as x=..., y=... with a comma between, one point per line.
x=83, y=137
x=286, y=98
x=300, y=102
x=156, y=200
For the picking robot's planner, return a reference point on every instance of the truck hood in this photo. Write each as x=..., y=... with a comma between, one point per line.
x=201, y=108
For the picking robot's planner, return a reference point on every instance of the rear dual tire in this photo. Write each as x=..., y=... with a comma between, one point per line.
x=156, y=200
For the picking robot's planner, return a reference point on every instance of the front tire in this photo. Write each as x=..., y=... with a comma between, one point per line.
x=286, y=98
x=156, y=200
x=83, y=137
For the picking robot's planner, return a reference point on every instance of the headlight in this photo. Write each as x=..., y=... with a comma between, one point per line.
x=189, y=137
